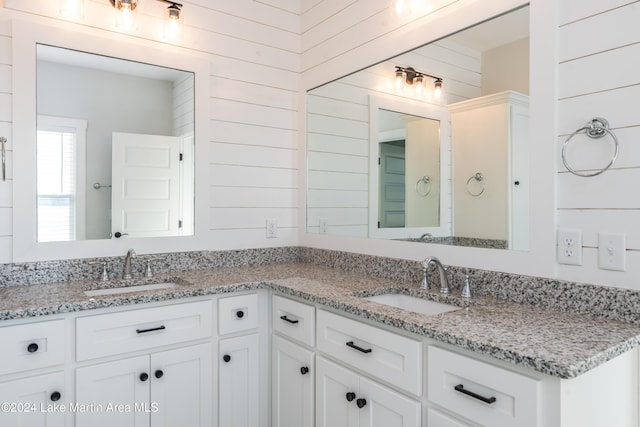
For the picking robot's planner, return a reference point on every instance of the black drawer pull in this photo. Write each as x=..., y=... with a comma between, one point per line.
x=239, y=314
x=32, y=348
x=304, y=370
x=488, y=400
x=286, y=319
x=350, y=396
x=144, y=331
x=55, y=396
x=144, y=376
x=226, y=358
x=355, y=347
x=158, y=374
x=361, y=403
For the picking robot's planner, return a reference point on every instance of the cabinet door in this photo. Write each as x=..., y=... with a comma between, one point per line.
x=238, y=382
x=382, y=407
x=181, y=387
x=113, y=394
x=292, y=384
x=336, y=395
x=32, y=401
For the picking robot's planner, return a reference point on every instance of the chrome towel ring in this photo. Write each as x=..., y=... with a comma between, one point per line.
x=427, y=185
x=596, y=128
x=479, y=179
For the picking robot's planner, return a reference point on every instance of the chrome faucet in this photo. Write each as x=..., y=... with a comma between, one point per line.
x=127, y=264
x=444, y=282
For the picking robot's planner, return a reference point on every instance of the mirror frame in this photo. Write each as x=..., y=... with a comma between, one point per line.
x=418, y=109
x=539, y=260
x=26, y=35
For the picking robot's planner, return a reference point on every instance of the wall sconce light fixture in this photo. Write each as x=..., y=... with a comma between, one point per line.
x=172, y=21
x=126, y=14
x=408, y=76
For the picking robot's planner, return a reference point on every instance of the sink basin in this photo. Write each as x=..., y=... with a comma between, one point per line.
x=128, y=289
x=415, y=304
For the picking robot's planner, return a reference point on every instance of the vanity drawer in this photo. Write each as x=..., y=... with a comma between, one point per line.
x=237, y=313
x=31, y=346
x=294, y=320
x=116, y=333
x=485, y=393
x=393, y=358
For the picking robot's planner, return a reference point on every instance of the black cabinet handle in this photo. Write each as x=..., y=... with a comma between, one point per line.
x=355, y=347
x=239, y=314
x=55, y=396
x=462, y=390
x=361, y=403
x=286, y=319
x=158, y=373
x=304, y=370
x=32, y=348
x=350, y=396
x=226, y=358
x=144, y=376
x=144, y=331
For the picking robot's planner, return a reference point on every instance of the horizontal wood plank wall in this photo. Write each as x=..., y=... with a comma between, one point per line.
x=254, y=51
x=338, y=131
x=599, y=59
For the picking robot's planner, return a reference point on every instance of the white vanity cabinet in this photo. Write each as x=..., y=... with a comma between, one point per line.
x=32, y=380
x=292, y=363
x=345, y=398
x=154, y=375
x=241, y=361
x=162, y=389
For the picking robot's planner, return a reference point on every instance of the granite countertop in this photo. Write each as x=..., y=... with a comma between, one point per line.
x=558, y=343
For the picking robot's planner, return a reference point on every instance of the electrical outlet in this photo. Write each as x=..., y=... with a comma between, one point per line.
x=324, y=225
x=569, y=246
x=272, y=228
x=611, y=251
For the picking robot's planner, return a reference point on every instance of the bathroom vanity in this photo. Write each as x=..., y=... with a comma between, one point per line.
x=299, y=344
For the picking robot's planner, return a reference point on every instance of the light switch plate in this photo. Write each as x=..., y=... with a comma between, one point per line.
x=272, y=228
x=612, y=251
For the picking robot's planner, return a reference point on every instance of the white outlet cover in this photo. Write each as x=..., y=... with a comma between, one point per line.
x=569, y=246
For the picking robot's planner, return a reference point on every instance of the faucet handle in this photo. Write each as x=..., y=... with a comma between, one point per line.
x=104, y=276
x=466, y=288
x=424, y=284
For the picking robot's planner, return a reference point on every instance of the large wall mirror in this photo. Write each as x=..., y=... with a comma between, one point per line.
x=389, y=161
x=112, y=150
x=115, y=145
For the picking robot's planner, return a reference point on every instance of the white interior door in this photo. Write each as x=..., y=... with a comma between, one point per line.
x=392, y=186
x=146, y=185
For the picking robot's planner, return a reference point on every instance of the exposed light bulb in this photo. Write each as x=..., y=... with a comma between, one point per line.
x=401, y=76
x=172, y=24
x=419, y=82
x=437, y=92
x=126, y=14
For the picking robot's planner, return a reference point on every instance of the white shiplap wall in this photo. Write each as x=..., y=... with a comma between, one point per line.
x=599, y=64
x=253, y=51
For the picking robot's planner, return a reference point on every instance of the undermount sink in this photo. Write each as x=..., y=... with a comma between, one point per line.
x=128, y=289
x=415, y=304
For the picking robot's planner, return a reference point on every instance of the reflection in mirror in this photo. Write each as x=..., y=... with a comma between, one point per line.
x=483, y=198
x=409, y=159
x=115, y=147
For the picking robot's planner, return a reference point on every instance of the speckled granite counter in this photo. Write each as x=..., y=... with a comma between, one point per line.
x=559, y=343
